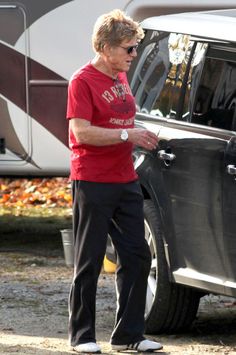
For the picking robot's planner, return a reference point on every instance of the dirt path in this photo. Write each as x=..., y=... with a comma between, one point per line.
x=33, y=295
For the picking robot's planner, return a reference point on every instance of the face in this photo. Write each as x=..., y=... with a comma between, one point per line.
x=119, y=58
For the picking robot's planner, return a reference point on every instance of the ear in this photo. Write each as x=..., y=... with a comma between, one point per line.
x=107, y=49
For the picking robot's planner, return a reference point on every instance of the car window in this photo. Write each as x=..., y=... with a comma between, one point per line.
x=215, y=99
x=192, y=78
x=159, y=72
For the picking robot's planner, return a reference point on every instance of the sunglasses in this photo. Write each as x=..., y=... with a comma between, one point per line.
x=120, y=89
x=130, y=49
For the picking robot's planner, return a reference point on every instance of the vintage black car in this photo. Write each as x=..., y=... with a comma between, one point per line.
x=184, y=81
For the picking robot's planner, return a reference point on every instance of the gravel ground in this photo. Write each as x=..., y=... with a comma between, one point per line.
x=34, y=287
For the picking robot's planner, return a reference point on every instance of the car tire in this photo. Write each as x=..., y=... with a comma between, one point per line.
x=169, y=307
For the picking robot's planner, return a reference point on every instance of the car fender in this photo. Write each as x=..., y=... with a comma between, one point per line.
x=153, y=188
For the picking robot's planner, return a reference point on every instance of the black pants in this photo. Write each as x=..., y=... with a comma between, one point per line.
x=100, y=209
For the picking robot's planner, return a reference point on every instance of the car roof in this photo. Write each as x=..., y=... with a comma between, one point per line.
x=216, y=25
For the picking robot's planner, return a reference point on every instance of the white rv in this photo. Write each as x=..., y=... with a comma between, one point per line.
x=41, y=44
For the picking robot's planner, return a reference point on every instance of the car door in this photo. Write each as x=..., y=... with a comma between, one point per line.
x=225, y=99
x=229, y=212
x=200, y=175
x=192, y=161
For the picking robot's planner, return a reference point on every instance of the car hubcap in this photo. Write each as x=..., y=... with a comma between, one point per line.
x=152, y=279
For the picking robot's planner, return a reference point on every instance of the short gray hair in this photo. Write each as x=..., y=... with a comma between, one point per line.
x=114, y=27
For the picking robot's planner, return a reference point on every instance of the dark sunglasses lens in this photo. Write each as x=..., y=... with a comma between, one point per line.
x=130, y=49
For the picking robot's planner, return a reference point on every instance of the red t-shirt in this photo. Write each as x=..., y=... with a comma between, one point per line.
x=93, y=96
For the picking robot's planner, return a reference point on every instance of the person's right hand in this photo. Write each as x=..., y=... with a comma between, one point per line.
x=143, y=138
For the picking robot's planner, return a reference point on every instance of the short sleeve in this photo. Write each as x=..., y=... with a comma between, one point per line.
x=79, y=102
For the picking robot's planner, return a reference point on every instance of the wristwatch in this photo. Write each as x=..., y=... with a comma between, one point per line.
x=124, y=135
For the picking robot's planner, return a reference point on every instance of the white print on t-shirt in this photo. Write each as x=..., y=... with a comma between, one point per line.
x=121, y=122
x=110, y=96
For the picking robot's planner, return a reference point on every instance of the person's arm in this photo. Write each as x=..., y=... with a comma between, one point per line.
x=85, y=133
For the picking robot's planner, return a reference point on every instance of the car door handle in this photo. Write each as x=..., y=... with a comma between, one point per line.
x=163, y=155
x=231, y=169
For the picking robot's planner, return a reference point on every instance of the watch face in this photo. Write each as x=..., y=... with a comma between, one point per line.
x=124, y=135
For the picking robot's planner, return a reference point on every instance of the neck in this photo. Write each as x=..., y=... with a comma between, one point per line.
x=100, y=64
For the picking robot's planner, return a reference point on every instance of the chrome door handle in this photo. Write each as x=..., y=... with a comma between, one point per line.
x=166, y=156
x=231, y=169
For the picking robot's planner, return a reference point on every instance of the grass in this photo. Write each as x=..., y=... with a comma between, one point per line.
x=33, y=229
x=45, y=221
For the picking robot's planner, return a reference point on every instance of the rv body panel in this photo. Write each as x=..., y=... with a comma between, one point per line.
x=41, y=45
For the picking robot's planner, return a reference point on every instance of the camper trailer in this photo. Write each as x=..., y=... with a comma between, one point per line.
x=41, y=44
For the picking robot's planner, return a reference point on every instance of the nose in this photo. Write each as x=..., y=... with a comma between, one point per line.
x=134, y=52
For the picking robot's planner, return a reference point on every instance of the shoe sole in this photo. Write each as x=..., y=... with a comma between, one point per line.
x=124, y=348
x=85, y=352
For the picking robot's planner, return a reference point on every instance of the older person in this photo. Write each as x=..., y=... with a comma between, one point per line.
x=107, y=197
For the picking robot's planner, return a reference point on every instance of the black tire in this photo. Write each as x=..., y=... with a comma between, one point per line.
x=170, y=308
